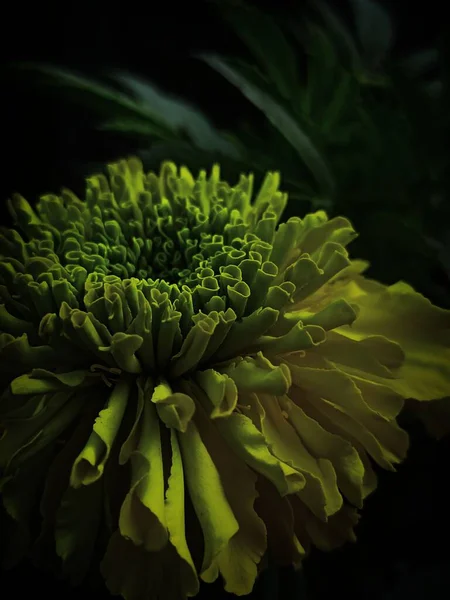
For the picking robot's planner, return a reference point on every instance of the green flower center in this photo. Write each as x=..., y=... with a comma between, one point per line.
x=141, y=255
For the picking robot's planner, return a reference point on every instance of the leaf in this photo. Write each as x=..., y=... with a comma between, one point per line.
x=268, y=44
x=335, y=26
x=337, y=104
x=138, y=107
x=137, y=127
x=99, y=96
x=375, y=30
x=176, y=114
x=322, y=67
x=280, y=119
x=420, y=62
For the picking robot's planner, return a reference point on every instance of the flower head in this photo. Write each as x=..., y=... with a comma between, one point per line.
x=186, y=382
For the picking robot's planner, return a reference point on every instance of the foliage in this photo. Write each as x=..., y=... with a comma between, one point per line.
x=357, y=129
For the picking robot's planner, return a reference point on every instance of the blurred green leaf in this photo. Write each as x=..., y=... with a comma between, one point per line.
x=139, y=108
x=420, y=62
x=374, y=29
x=280, y=118
x=268, y=44
x=353, y=128
x=177, y=114
x=338, y=31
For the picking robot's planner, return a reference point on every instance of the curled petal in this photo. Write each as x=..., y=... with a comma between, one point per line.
x=175, y=409
x=211, y=505
x=90, y=463
x=259, y=375
x=221, y=391
x=142, y=516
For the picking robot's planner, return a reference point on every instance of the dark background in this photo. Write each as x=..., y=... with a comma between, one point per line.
x=403, y=548
x=43, y=140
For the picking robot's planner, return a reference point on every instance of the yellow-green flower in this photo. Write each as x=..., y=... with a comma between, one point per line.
x=186, y=383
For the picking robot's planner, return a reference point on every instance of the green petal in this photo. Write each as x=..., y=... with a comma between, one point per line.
x=284, y=545
x=336, y=394
x=221, y=391
x=56, y=483
x=238, y=560
x=336, y=314
x=252, y=447
x=90, y=463
x=320, y=493
x=225, y=321
x=76, y=527
x=246, y=331
x=372, y=358
x=325, y=445
x=285, y=243
x=337, y=531
x=16, y=352
x=175, y=519
x=299, y=337
x=142, y=517
x=175, y=409
x=22, y=211
x=40, y=381
x=144, y=388
x=19, y=494
x=258, y=375
x=208, y=497
x=135, y=574
x=193, y=348
x=318, y=231
x=24, y=437
x=123, y=348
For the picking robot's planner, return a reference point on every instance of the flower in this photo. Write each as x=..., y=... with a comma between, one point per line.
x=186, y=382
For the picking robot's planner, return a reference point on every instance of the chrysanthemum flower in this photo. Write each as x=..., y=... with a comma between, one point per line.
x=186, y=383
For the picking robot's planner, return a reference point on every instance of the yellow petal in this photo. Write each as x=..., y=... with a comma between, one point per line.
x=336, y=395
x=409, y=319
x=323, y=444
x=320, y=493
x=373, y=358
x=252, y=447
